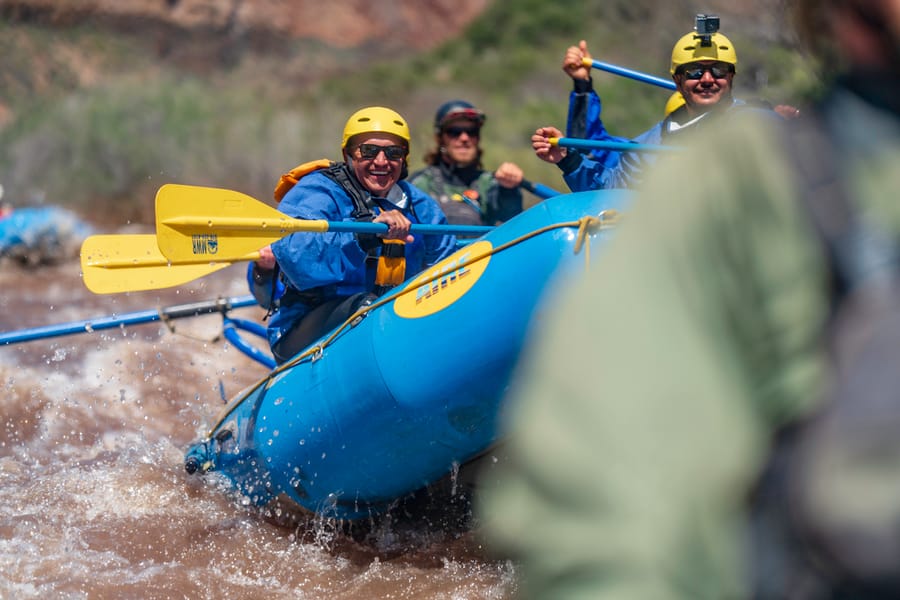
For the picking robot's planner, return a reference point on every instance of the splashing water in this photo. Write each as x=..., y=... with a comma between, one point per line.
x=94, y=500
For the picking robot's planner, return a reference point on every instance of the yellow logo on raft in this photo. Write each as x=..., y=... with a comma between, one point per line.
x=444, y=283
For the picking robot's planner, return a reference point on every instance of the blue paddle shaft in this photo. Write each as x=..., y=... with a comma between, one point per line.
x=617, y=146
x=135, y=318
x=636, y=75
x=421, y=228
x=539, y=189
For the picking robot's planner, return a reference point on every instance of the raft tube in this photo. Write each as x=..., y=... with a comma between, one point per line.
x=41, y=234
x=411, y=390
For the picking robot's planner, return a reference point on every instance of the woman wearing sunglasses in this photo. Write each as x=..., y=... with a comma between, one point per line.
x=329, y=276
x=703, y=69
x=454, y=175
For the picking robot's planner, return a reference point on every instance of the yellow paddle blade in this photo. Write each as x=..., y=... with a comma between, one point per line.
x=131, y=263
x=194, y=222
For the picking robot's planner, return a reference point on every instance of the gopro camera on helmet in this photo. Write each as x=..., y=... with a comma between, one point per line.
x=706, y=26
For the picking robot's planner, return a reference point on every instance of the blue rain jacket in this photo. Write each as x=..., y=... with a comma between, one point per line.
x=584, y=122
x=605, y=169
x=314, y=260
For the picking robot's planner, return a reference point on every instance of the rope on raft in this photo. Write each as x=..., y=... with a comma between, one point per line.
x=586, y=226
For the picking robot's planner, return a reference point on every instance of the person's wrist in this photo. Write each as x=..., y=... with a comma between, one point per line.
x=569, y=162
x=583, y=86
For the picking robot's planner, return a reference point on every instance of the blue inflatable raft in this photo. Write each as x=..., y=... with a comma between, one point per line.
x=398, y=397
x=42, y=234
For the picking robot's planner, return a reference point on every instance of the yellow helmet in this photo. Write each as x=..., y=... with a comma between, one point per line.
x=688, y=49
x=674, y=102
x=375, y=119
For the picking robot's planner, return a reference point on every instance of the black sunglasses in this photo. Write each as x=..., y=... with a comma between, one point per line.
x=455, y=131
x=371, y=151
x=717, y=70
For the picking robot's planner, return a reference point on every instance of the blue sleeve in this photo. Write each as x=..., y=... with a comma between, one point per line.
x=592, y=127
x=584, y=122
x=584, y=111
x=310, y=260
x=589, y=175
x=625, y=172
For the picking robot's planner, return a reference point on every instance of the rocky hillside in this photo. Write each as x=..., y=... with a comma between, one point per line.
x=64, y=45
x=419, y=24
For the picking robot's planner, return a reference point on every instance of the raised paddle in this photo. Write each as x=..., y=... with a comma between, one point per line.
x=636, y=75
x=112, y=264
x=195, y=223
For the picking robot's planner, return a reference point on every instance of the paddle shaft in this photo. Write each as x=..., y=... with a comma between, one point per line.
x=225, y=225
x=539, y=189
x=286, y=225
x=601, y=145
x=630, y=74
x=221, y=305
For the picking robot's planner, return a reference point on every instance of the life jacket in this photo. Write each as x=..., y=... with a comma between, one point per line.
x=460, y=208
x=338, y=173
x=388, y=257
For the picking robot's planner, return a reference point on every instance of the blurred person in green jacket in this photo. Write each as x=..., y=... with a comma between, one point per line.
x=645, y=410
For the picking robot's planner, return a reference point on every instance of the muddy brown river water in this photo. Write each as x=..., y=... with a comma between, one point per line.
x=94, y=499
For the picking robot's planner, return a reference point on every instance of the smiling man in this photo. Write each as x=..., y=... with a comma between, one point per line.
x=328, y=276
x=703, y=66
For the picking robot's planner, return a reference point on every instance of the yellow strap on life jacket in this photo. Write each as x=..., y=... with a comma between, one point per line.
x=391, y=264
x=290, y=179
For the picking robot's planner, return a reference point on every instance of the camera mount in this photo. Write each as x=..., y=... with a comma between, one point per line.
x=706, y=26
